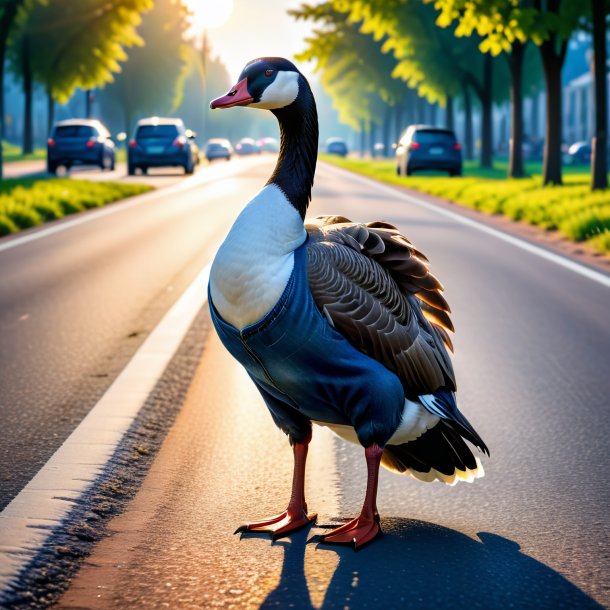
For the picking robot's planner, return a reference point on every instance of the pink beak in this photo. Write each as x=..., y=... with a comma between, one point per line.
x=237, y=96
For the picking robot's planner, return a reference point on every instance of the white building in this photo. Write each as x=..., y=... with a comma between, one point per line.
x=579, y=109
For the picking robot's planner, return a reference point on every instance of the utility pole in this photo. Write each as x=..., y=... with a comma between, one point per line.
x=204, y=72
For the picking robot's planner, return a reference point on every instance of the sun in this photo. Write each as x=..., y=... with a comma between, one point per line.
x=209, y=14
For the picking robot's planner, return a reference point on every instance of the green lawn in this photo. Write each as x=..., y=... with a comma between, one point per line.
x=571, y=209
x=11, y=152
x=27, y=202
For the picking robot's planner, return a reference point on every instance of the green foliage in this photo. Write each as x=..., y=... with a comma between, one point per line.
x=13, y=153
x=76, y=44
x=356, y=73
x=574, y=211
x=501, y=22
x=430, y=59
x=29, y=202
x=151, y=81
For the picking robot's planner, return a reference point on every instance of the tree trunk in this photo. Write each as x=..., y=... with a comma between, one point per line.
x=515, y=61
x=552, y=63
x=449, y=112
x=88, y=100
x=372, y=131
x=599, y=163
x=486, y=113
x=433, y=113
x=6, y=21
x=398, y=124
x=26, y=67
x=50, y=113
x=534, y=133
x=387, y=127
x=421, y=110
x=468, y=130
x=362, y=139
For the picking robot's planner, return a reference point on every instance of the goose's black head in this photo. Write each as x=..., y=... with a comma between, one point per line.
x=276, y=84
x=266, y=82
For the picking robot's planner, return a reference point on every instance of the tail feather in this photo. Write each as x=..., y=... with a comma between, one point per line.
x=442, y=403
x=440, y=453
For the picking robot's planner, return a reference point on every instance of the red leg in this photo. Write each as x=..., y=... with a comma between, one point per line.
x=295, y=516
x=364, y=528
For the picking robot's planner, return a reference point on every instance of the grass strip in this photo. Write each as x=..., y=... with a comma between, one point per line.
x=11, y=152
x=28, y=202
x=572, y=209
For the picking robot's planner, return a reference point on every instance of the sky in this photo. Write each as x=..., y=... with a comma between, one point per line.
x=255, y=28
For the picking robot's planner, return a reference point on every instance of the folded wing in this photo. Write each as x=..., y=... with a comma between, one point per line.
x=376, y=289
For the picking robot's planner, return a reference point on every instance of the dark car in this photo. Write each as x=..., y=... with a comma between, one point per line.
x=218, y=148
x=247, y=146
x=336, y=146
x=579, y=153
x=268, y=144
x=159, y=142
x=423, y=147
x=79, y=142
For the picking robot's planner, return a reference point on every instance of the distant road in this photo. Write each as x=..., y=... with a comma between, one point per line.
x=157, y=177
x=19, y=169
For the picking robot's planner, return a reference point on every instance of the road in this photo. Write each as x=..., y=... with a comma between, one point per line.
x=157, y=177
x=532, y=353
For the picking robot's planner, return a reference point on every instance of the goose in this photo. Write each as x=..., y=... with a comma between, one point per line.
x=337, y=323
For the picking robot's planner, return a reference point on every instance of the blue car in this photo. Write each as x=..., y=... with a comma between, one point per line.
x=336, y=146
x=159, y=142
x=424, y=147
x=79, y=142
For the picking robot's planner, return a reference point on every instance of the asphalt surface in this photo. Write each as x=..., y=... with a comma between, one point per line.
x=75, y=305
x=157, y=177
x=532, y=354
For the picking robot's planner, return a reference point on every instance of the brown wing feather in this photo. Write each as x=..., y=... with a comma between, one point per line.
x=376, y=289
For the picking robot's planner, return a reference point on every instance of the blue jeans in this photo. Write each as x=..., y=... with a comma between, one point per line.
x=306, y=370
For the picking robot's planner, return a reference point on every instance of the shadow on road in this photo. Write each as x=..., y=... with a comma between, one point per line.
x=422, y=565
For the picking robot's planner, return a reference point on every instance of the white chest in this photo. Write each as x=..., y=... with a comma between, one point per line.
x=253, y=265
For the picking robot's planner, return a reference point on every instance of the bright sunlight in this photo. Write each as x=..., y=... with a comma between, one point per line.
x=209, y=14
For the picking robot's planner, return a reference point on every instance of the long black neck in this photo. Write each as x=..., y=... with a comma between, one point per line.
x=296, y=164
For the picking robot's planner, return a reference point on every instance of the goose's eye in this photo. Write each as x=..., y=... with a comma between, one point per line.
x=268, y=72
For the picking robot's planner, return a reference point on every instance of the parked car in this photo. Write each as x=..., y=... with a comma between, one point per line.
x=218, y=148
x=162, y=142
x=579, y=153
x=424, y=147
x=336, y=146
x=247, y=146
x=79, y=142
x=269, y=145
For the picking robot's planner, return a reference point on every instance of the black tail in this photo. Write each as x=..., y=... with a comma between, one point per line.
x=440, y=453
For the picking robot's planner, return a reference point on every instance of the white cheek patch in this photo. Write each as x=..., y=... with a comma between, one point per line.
x=280, y=93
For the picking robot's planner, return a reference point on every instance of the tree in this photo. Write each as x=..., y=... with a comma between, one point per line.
x=493, y=20
x=8, y=14
x=599, y=159
x=508, y=24
x=355, y=71
x=151, y=80
x=551, y=30
x=431, y=58
x=78, y=45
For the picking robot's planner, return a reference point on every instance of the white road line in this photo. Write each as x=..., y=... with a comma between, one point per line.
x=596, y=276
x=29, y=520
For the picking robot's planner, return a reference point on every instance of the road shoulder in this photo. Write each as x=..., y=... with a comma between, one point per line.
x=550, y=240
